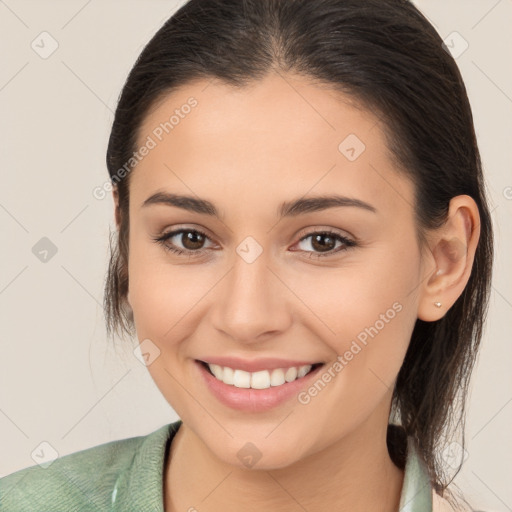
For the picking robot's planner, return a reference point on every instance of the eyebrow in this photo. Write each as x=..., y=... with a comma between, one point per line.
x=287, y=209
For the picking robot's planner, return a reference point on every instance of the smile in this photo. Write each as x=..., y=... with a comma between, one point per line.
x=263, y=379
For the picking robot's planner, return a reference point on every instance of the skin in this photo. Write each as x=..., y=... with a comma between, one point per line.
x=247, y=150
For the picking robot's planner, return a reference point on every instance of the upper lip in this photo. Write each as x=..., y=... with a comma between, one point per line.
x=256, y=365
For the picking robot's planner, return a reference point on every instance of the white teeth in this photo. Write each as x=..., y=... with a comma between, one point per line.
x=277, y=377
x=216, y=370
x=227, y=375
x=242, y=379
x=260, y=380
x=263, y=379
x=291, y=374
x=303, y=370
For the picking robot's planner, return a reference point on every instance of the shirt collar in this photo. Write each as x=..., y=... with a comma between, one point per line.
x=140, y=486
x=416, y=495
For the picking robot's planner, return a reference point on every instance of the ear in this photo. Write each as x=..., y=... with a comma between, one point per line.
x=451, y=254
x=117, y=213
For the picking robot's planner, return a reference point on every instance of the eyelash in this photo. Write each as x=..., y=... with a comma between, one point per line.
x=162, y=240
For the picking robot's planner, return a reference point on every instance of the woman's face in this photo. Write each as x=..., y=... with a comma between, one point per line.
x=257, y=280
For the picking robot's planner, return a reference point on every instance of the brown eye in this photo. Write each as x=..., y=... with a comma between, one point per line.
x=325, y=243
x=192, y=240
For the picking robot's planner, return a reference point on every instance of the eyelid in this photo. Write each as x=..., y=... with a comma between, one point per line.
x=167, y=235
x=303, y=233
x=311, y=230
x=347, y=242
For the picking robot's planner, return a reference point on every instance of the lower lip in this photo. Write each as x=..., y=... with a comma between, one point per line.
x=254, y=400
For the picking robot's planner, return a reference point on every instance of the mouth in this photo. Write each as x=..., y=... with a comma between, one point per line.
x=263, y=379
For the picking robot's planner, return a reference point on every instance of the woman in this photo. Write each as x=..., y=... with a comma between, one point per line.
x=304, y=253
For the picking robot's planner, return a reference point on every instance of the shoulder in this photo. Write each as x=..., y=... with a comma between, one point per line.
x=81, y=480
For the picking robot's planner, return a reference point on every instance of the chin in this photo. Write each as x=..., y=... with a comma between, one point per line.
x=253, y=456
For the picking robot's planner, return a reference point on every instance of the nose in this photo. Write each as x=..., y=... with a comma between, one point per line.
x=252, y=303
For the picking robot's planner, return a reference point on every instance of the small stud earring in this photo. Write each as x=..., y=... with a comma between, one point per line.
x=437, y=304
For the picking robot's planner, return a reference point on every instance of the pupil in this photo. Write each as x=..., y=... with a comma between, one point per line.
x=194, y=239
x=322, y=247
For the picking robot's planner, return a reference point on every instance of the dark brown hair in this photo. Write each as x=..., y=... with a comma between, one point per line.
x=388, y=57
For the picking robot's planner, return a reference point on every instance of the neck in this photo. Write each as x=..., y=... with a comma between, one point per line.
x=353, y=474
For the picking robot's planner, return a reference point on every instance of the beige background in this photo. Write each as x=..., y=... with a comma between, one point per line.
x=60, y=381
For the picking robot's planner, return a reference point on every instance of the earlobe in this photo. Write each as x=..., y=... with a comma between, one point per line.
x=453, y=251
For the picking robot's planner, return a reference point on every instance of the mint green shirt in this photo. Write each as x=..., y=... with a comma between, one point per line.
x=127, y=475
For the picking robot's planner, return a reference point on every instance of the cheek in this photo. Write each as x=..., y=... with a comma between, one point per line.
x=160, y=298
x=151, y=294
x=367, y=309
x=370, y=316
x=165, y=297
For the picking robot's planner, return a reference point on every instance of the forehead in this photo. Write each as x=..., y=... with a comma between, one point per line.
x=282, y=136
